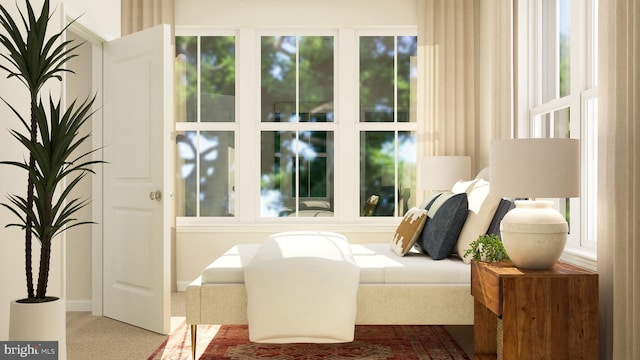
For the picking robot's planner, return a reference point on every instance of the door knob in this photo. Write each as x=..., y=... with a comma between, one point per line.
x=155, y=195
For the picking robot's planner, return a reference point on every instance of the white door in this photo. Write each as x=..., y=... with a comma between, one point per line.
x=138, y=205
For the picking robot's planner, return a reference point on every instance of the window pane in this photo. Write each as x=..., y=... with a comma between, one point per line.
x=210, y=157
x=278, y=78
x=376, y=78
x=564, y=49
x=407, y=159
x=186, y=189
x=316, y=173
x=388, y=78
x=316, y=78
x=306, y=59
x=377, y=173
x=407, y=78
x=555, y=49
x=218, y=78
x=287, y=192
x=552, y=125
x=217, y=173
x=186, y=67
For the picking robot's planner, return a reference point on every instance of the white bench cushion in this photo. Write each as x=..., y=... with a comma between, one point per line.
x=378, y=265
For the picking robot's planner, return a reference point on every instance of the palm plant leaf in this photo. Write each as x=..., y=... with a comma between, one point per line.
x=36, y=59
x=58, y=133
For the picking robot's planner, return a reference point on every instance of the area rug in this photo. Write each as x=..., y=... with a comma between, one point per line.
x=379, y=342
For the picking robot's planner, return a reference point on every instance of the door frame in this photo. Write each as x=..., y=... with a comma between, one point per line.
x=96, y=40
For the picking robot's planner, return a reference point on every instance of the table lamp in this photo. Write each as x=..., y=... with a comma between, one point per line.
x=441, y=172
x=534, y=234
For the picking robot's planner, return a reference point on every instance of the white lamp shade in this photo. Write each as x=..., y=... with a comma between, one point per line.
x=442, y=172
x=535, y=168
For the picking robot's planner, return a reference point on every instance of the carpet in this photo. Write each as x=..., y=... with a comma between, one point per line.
x=374, y=342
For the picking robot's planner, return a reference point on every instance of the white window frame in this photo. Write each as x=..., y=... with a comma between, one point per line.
x=198, y=126
x=345, y=127
x=532, y=81
x=299, y=126
x=395, y=127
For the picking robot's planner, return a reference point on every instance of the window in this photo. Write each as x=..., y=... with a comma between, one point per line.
x=387, y=124
x=205, y=107
x=296, y=141
x=563, y=97
x=317, y=130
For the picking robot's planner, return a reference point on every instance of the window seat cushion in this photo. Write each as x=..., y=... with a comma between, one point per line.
x=377, y=261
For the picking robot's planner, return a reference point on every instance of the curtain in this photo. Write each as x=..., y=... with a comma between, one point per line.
x=142, y=14
x=503, y=72
x=447, y=48
x=466, y=75
x=619, y=178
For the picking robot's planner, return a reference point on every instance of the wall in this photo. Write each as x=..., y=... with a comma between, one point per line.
x=78, y=239
x=300, y=13
x=103, y=17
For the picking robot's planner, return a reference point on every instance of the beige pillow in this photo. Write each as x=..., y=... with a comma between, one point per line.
x=482, y=207
x=408, y=231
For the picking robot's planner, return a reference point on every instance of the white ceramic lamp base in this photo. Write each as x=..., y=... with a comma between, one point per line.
x=534, y=234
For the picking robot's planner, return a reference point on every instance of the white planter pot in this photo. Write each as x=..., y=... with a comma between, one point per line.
x=45, y=321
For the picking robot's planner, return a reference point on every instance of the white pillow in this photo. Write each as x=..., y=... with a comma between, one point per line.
x=482, y=207
x=463, y=186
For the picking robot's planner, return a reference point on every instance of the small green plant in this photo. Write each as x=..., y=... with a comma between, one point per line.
x=487, y=248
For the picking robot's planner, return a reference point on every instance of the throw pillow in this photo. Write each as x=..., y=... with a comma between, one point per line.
x=503, y=208
x=463, y=186
x=445, y=220
x=408, y=231
x=429, y=200
x=482, y=207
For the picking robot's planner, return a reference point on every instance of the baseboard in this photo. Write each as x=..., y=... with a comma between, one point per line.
x=79, y=305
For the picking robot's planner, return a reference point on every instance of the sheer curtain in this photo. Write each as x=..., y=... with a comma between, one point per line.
x=141, y=14
x=447, y=47
x=460, y=59
x=619, y=178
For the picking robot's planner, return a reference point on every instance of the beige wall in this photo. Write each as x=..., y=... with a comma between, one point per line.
x=78, y=239
x=98, y=16
x=304, y=12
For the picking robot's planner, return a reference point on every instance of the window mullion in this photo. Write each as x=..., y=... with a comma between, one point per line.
x=297, y=131
x=395, y=119
x=198, y=120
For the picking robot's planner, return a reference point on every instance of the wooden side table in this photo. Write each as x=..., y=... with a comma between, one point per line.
x=534, y=314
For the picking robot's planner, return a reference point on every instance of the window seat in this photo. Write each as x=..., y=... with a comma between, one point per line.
x=412, y=290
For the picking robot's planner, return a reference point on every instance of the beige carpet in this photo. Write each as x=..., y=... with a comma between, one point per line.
x=100, y=338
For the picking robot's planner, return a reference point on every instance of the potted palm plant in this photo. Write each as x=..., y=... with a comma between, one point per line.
x=51, y=136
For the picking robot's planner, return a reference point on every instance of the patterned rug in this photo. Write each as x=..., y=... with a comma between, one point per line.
x=387, y=342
